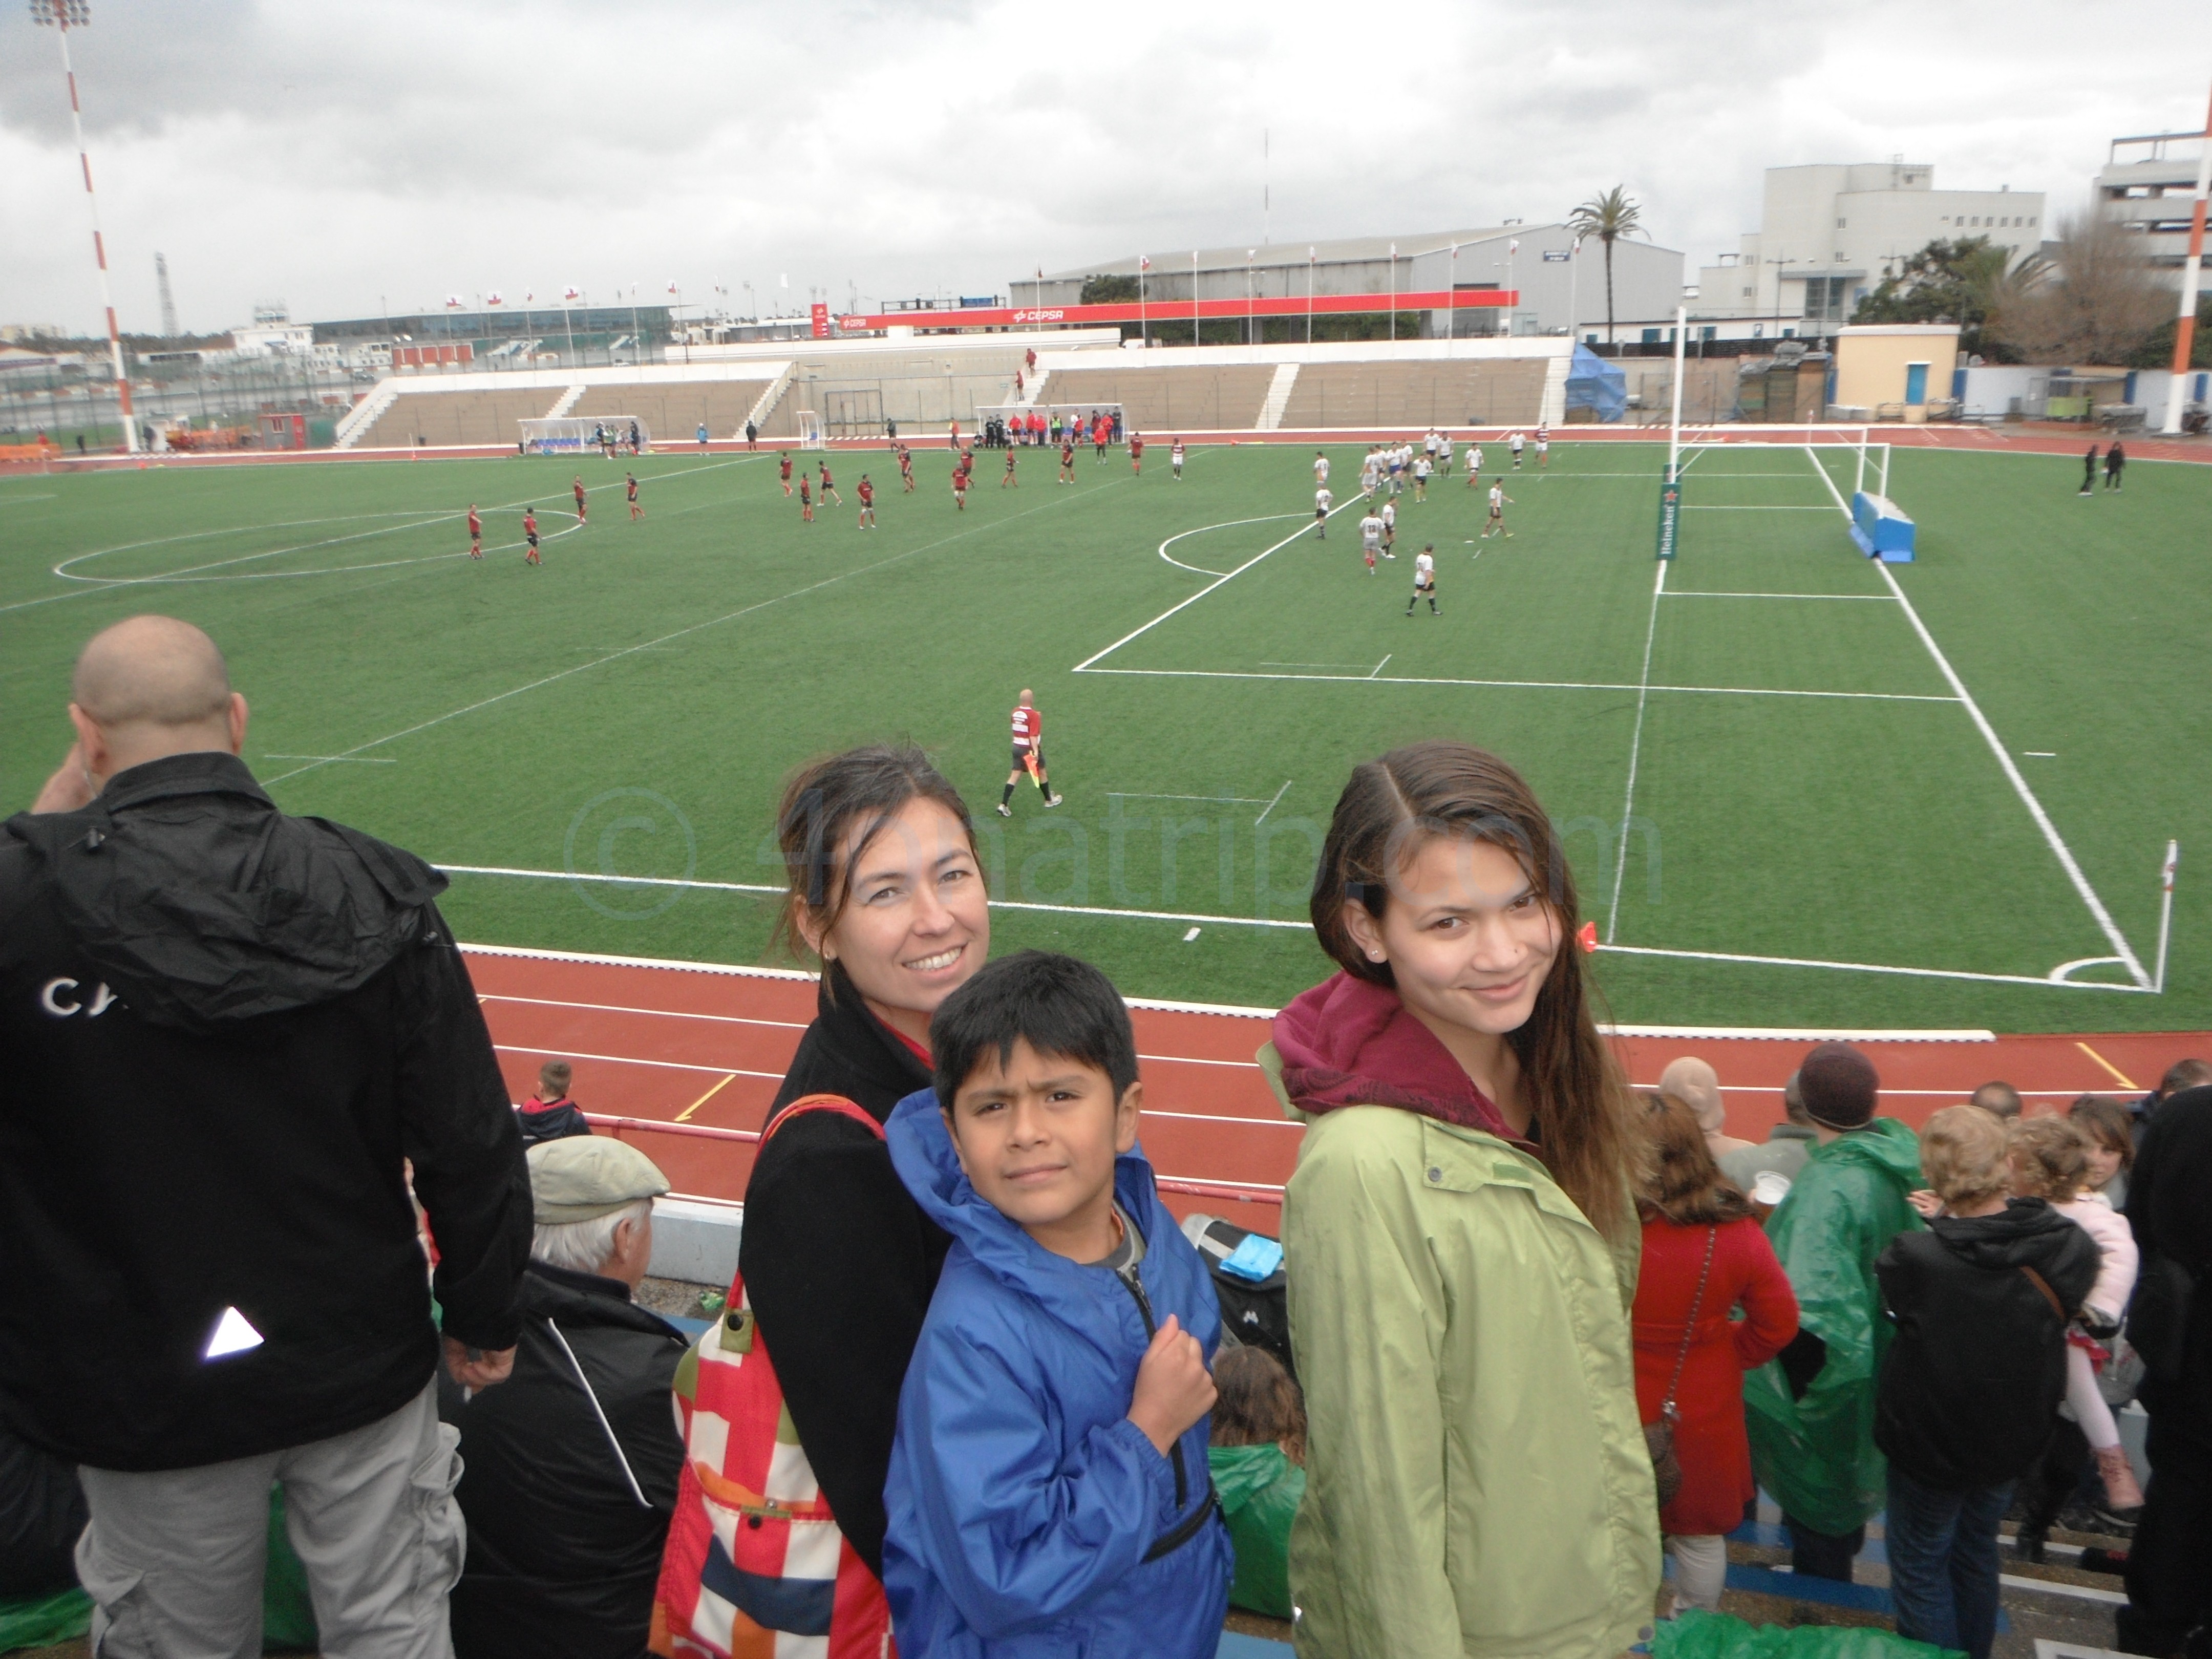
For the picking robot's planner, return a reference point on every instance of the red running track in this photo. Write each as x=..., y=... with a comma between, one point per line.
x=689, y=1058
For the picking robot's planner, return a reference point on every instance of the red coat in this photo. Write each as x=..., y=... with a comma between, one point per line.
x=1717, y=1479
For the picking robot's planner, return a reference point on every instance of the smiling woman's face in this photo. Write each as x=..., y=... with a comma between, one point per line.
x=917, y=922
x=1469, y=938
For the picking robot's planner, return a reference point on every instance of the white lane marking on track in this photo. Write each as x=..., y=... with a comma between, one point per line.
x=1198, y=570
x=678, y=634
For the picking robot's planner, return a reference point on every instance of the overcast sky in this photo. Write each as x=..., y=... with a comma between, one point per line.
x=348, y=157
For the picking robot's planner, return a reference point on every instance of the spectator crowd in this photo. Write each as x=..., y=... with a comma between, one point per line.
x=291, y=1294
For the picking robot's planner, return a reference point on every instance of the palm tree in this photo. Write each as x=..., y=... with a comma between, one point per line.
x=1608, y=217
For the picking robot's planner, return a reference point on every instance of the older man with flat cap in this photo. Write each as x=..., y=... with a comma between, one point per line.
x=226, y=1030
x=571, y=1465
x=1810, y=1412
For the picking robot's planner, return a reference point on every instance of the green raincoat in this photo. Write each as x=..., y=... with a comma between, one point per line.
x=1478, y=1483
x=1258, y=1489
x=1817, y=1455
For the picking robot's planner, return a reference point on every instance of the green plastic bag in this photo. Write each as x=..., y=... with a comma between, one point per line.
x=1701, y=1635
x=42, y=1621
x=287, y=1612
x=1258, y=1489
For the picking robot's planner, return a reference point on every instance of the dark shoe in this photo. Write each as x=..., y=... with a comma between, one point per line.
x=2097, y=1558
x=2028, y=1546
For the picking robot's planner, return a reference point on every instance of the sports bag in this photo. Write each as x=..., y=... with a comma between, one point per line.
x=754, y=1563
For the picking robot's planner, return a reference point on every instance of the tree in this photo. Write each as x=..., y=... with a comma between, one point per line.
x=2103, y=306
x=1608, y=217
x=1108, y=290
x=1969, y=281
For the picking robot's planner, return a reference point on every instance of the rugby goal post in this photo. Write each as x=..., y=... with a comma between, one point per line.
x=810, y=434
x=573, y=435
x=1820, y=445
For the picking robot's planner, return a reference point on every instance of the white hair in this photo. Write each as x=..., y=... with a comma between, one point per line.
x=583, y=1247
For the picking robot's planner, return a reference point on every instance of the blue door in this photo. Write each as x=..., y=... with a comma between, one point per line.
x=1916, y=383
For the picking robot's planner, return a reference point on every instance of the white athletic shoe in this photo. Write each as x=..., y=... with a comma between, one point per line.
x=1052, y=800
x=1005, y=811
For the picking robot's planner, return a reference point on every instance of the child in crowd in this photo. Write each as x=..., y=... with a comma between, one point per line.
x=1970, y=1386
x=1049, y=1475
x=2109, y=1129
x=2050, y=1161
x=1258, y=1457
x=550, y=1115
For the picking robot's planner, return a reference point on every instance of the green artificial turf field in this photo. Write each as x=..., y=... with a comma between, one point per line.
x=632, y=706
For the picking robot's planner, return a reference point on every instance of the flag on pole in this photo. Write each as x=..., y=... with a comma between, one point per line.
x=528, y=295
x=1513, y=246
x=1143, y=262
x=452, y=303
x=572, y=293
x=494, y=297
x=671, y=288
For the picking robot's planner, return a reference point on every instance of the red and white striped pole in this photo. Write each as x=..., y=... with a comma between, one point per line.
x=2185, y=333
x=63, y=15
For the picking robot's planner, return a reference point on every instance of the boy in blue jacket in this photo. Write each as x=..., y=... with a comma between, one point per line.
x=1049, y=1479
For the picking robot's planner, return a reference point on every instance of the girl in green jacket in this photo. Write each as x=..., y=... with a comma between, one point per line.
x=1461, y=1241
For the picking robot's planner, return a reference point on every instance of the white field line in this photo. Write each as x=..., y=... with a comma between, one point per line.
x=1175, y=915
x=1226, y=523
x=1522, y=685
x=1693, y=593
x=1226, y=801
x=678, y=634
x=1635, y=749
x=2059, y=849
x=1724, y=506
x=1272, y=804
x=1380, y=666
x=1227, y=576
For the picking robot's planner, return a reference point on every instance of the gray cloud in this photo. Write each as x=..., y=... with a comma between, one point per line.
x=349, y=157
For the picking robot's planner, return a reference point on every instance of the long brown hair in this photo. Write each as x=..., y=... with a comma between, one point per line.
x=2105, y=1122
x=1388, y=809
x=2050, y=1158
x=1682, y=1183
x=1257, y=1403
x=854, y=793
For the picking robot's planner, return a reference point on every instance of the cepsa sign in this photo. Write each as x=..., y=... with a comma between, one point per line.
x=1053, y=316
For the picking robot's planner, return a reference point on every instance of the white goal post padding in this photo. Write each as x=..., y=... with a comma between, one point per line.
x=573, y=433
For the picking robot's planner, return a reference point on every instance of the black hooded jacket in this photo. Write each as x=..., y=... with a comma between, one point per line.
x=1970, y=1389
x=223, y=1030
x=563, y=1554
x=2170, y=1207
x=839, y=1260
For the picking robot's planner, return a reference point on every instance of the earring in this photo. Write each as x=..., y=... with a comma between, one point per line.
x=1374, y=956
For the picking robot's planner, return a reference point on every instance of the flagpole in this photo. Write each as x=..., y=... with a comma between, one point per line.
x=1394, y=292
x=1144, y=327
x=1194, y=297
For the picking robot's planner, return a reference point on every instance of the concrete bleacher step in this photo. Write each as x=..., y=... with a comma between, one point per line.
x=1279, y=396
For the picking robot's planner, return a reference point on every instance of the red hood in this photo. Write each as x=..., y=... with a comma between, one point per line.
x=1347, y=1042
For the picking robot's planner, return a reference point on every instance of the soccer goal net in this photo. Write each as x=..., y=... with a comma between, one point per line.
x=810, y=434
x=574, y=433
x=1044, y=423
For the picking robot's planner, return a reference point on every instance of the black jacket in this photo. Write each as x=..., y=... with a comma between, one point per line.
x=563, y=1557
x=2170, y=1207
x=839, y=1260
x=224, y=1030
x=1970, y=1390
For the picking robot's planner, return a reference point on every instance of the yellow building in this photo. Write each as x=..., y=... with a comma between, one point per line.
x=1893, y=371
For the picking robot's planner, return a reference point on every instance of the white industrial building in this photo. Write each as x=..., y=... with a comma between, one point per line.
x=1647, y=278
x=1829, y=233
x=2147, y=187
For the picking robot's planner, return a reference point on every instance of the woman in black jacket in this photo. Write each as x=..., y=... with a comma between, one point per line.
x=836, y=1260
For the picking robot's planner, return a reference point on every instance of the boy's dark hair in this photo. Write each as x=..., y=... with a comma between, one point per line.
x=1258, y=1404
x=1056, y=1004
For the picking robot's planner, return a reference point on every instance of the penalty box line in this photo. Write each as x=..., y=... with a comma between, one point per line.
x=2052, y=839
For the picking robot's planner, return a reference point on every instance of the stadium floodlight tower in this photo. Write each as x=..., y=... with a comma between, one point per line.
x=62, y=16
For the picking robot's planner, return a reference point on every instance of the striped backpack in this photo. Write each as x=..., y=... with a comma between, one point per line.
x=755, y=1567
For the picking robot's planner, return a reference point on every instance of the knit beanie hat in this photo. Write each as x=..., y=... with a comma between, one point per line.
x=1838, y=1084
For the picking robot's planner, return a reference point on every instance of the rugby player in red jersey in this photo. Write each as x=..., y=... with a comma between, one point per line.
x=630, y=486
x=529, y=536
x=579, y=499
x=1136, y=451
x=906, y=468
x=805, y=501
x=1006, y=479
x=1067, y=460
x=475, y=533
x=783, y=466
x=829, y=489
x=1029, y=754
x=866, y=492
